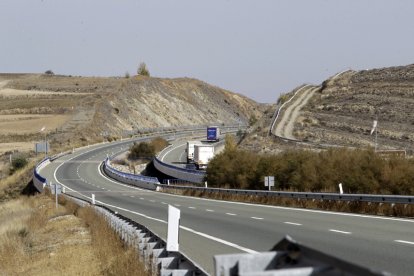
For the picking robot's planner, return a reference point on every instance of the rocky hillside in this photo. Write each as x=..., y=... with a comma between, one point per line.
x=342, y=111
x=80, y=109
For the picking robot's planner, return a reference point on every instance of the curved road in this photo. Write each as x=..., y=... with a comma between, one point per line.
x=210, y=227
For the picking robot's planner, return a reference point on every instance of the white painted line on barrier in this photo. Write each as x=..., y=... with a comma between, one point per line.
x=231, y=214
x=341, y=232
x=256, y=218
x=405, y=242
x=292, y=223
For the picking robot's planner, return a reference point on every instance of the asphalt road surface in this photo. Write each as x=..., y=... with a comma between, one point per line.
x=210, y=227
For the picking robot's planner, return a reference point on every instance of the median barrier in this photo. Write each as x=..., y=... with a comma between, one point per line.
x=141, y=181
x=179, y=173
x=392, y=199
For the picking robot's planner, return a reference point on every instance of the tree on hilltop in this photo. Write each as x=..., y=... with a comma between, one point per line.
x=143, y=70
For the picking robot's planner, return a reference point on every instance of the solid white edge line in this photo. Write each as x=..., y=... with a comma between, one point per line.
x=405, y=242
x=292, y=223
x=341, y=232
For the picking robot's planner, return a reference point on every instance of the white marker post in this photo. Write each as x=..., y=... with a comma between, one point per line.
x=341, y=191
x=173, y=229
x=269, y=181
x=56, y=195
x=93, y=199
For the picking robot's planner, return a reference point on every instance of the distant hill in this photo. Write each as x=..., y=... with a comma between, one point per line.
x=81, y=108
x=342, y=110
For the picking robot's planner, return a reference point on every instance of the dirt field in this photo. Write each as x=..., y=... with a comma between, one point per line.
x=24, y=124
x=20, y=146
x=8, y=92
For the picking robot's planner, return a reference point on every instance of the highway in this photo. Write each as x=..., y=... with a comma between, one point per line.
x=210, y=227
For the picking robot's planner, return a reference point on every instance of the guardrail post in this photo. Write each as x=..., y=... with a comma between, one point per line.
x=341, y=191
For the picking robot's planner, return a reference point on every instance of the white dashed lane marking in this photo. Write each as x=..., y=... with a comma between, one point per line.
x=256, y=218
x=191, y=207
x=209, y=210
x=231, y=214
x=340, y=231
x=292, y=223
x=405, y=242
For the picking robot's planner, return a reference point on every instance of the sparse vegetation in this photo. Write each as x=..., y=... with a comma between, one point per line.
x=143, y=70
x=49, y=72
x=252, y=120
x=18, y=163
x=283, y=98
x=360, y=171
x=38, y=239
x=147, y=149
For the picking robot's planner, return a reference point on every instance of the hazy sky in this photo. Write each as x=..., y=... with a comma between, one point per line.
x=257, y=48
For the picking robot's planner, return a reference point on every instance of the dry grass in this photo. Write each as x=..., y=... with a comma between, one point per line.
x=38, y=239
x=398, y=210
x=19, y=146
x=9, y=92
x=12, y=186
x=22, y=124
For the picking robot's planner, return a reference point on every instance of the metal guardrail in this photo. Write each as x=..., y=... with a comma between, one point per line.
x=138, y=180
x=393, y=199
x=179, y=173
x=38, y=180
x=288, y=257
x=150, y=246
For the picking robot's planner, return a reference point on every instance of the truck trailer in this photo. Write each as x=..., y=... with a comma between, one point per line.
x=202, y=155
x=213, y=133
x=190, y=150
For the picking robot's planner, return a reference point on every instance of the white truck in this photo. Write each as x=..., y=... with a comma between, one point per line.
x=190, y=150
x=202, y=155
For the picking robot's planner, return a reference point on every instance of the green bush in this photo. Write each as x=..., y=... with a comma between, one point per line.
x=141, y=150
x=360, y=171
x=18, y=163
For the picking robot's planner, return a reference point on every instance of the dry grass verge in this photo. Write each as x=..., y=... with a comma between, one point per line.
x=11, y=187
x=382, y=209
x=38, y=239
